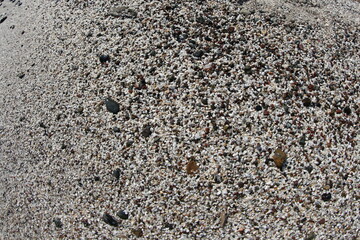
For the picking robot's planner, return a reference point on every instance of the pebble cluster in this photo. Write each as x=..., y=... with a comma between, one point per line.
x=179, y=119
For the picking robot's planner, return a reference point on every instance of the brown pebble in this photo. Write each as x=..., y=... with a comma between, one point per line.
x=279, y=158
x=322, y=221
x=191, y=167
x=223, y=219
x=137, y=232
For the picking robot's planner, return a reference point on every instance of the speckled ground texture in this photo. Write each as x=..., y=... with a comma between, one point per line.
x=207, y=92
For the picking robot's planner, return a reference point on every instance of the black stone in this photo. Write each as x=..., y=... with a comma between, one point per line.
x=107, y=218
x=104, y=58
x=302, y=140
x=258, y=108
x=326, y=197
x=116, y=129
x=112, y=106
x=347, y=110
x=2, y=19
x=116, y=173
x=307, y=102
x=309, y=168
x=169, y=226
x=97, y=178
x=58, y=223
x=21, y=75
x=123, y=215
x=248, y=70
x=199, y=54
x=146, y=131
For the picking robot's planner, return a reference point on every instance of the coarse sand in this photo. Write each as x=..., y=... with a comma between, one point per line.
x=179, y=119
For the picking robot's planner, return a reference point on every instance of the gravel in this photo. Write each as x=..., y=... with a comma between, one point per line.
x=234, y=119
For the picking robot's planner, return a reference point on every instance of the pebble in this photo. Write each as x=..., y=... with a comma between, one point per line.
x=326, y=197
x=2, y=18
x=279, y=158
x=116, y=129
x=302, y=140
x=104, y=58
x=58, y=223
x=116, y=173
x=112, y=106
x=137, y=232
x=191, y=167
x=21, y=75
x=258, y=108
x=146, y=131
x=123, y=215
x=108, y=219
x=347, y=110
x=307, y=102
x=124, y=12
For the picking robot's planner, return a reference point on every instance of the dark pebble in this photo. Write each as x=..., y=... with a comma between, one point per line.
x=309, y=168
x=104, y=58
x=110, y=220
x=116, y=173
x=307, y=102
x=129, y=143
x=58, y=223
x=347, y=110
x=97, y=178
x=199, y=54
x=112, y=106
x=247, y=70
x=302, y=140
x=123, y=215
x=2, y=19
x=146, y=131
x=258, y=108
x=21, y=75
x=116, y=129
x=169, y=226
x=326, y=197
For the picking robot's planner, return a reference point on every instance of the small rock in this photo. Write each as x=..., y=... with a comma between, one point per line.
x=104, y=58
x=347, y=110
x=169, y=225
x=302, y=140
x=199, y=54
x=97, y=178
x=322, y=221
x=217, y=179
x=112, y=106
x=137, y=232
x=191, y=167
x=258, y=108
x=307, y=102
x=123, y=215
x=279, y=158
x=79, y=110
x=223, y=219
x=310, y=236
x=116, y=129
x=248, y=70
x=21, y=75
x=108, y=219
x=146, y=131
x=129, y=143
x=309, y=168
x=326, y=197
x=124, y=12
x=116, y=173
x=2, y=18
x=58, y=223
